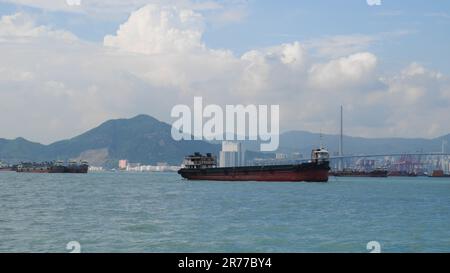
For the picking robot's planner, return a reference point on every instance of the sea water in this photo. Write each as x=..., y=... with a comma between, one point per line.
x=160, y=212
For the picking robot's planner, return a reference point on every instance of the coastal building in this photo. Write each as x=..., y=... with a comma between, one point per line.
x=123, y=164
x=231, y=155
x=152, y=168
x=133, y=166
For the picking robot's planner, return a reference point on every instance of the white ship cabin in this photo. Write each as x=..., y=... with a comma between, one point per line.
x=320, y=155
x=199, y=161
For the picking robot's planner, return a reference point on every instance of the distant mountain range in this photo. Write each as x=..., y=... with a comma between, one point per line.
x=140, y=139
x=146, y=140
x=302, y=141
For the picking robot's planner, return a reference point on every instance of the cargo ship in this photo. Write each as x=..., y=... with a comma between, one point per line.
x=403, y=173
x=355, y=173
x=53, y=167
x=204, y=167
x=6, y=168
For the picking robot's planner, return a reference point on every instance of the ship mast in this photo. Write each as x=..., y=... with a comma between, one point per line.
x=320, y=141
x=341, y=140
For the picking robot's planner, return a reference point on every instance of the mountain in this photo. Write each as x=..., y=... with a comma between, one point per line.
x=21, y=149
x=140, y=139
x=301, y=141
x=144, y=139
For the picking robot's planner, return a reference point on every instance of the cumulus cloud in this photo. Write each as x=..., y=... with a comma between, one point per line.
x=155, y=30
x=56, y=86
x=21, y=26
x=174, y=37
x=344, y=71
x=272, y=71
x=308, y=91
x=157, y=58
x=407, y=100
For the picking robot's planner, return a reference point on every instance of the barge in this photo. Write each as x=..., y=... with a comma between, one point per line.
x=204, y=167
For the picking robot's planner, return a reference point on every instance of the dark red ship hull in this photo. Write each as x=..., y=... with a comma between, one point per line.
x=306, y=172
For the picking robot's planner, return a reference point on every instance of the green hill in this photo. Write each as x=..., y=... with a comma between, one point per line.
x=140, y=139
x=144, y=139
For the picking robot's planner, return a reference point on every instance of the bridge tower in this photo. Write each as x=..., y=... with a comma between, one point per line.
x=341, y=141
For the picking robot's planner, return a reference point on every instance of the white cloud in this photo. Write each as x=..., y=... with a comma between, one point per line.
x=416, y=70
x=343, y=45
x=155, y=30
x=8, y=74
x=344, y=71
x=44, y=4
x=272, y=71
x=158, y=58
x=416, y=102
x=21, y=26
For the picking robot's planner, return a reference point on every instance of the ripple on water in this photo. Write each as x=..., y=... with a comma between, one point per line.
x=121, y=212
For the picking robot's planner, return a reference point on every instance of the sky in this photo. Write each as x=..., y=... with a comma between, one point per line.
x=68, y=65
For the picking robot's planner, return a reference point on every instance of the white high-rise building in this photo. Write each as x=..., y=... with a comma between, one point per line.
x=231, y=154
